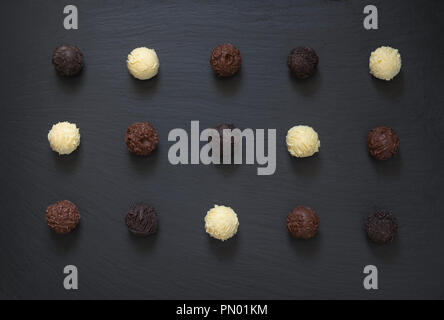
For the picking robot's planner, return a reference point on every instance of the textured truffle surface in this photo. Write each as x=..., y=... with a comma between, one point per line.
x=302, y=141
x=141, y=138
x=385, y=63
x=225, y=60
x=62, y=216
x=302, y=62
x=141, y=219
x=221, y=222
x=143, y=63
x=382, y=142
x=64, y=137
x=67, y=60
x=381, y=227
x=303, y=222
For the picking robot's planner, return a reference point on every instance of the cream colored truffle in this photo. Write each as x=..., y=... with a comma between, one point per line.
x=385, y=63
x=221, y=222
x=302, y=141
x=64, y=137
x=143, y=63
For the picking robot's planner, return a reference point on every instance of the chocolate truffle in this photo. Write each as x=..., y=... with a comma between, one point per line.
x=141, y=138
x=141, y=219
x=67, y=60
x=221, y=222
x=62, y=216
x=225, y=136
x=225, y=60
x=381, y=227
x=64, y=137
x=143, y=63
x=383, y=143
x=385, y=63
x=302, y=62
x=303, y=222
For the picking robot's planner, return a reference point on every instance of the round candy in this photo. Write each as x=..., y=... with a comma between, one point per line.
x=302, y=62
x=381, y=227
x=303, y=222
x=382, y=142
x=302, y=141
x=385, y=63
x=224, y=136
x=141, y=138
x=67, y=60
x=225, y=60
x=64, y=137
x=141, y=220
x=221, y=222
x=62, y=216
x=143, y=63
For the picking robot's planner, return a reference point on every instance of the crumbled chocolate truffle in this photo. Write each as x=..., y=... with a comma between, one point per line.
x=141, y=138
x=381, y=227
x=302, y=62
x=67, y=60
x=383, y=143
x=225, y=60
x=62, y=216
x=303, y=222
x=141, y=220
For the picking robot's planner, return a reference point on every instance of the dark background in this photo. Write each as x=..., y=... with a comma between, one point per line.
x=342, y=183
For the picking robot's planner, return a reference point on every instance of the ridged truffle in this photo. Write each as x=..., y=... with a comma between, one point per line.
x=221, y=222
x=225, y=60
x=302, y=141
x=302, y=62
x=141, y=138
x=141, y=219
x=62, y=216
x=143, y=63
x=381, y=227
x=303, y=222
x=383, y=143
x=64, y=137
x=67, y=60
x=385, y=63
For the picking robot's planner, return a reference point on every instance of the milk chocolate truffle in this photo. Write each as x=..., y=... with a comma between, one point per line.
x=62, y=216
x=221, y=222
x=303, y=222
x=64, y=137
x=381, y=227
x=302, y=62
x=225, y=60
x=383, y=143
x=141, y=219
x=385, y=63
x=141, y=138
x=67, y=60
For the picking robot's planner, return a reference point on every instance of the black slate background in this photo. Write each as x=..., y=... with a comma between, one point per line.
x=342, y=102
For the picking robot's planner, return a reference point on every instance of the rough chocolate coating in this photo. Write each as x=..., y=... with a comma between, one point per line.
x=141, y=220
x=141, y=138
x=225, y=60
x=383, y=143
x=220, y=128
x=381, y=227
x=302, y=62
x=303, y=222
x=62, y=216
x=67, y=60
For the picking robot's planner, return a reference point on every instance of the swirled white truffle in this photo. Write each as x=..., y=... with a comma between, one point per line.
x=302, y=141
x=221, y=222
x=143, y=63
x=64, y=137
x=385, y=63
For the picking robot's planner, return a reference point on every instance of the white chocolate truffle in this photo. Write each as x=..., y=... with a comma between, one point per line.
x=64, y=137
x=302, y=141
x=221, y=222
x=143, y=63
x=385, y=63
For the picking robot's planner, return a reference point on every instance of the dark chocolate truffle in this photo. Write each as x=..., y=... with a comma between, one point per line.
x=141, y=138
x=225, y=60
x=302, y=62
x=381, y=227
x=67, y=60
x=383, y=143
x=141, y=220
x=222, y=136
x=62, y=216
x=303, y=222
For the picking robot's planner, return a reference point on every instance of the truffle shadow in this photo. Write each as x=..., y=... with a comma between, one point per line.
x=224, y=250
x=306, y=167
x=390, y=167
x=144, y=164
x=145, y=87
x=67, y=163
x=309, y=248
x=307, y=87
x=70, y=85
x=386, y=252
x=143, y=244
x=390, y=89
x=64, y=243
x=228, y=86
